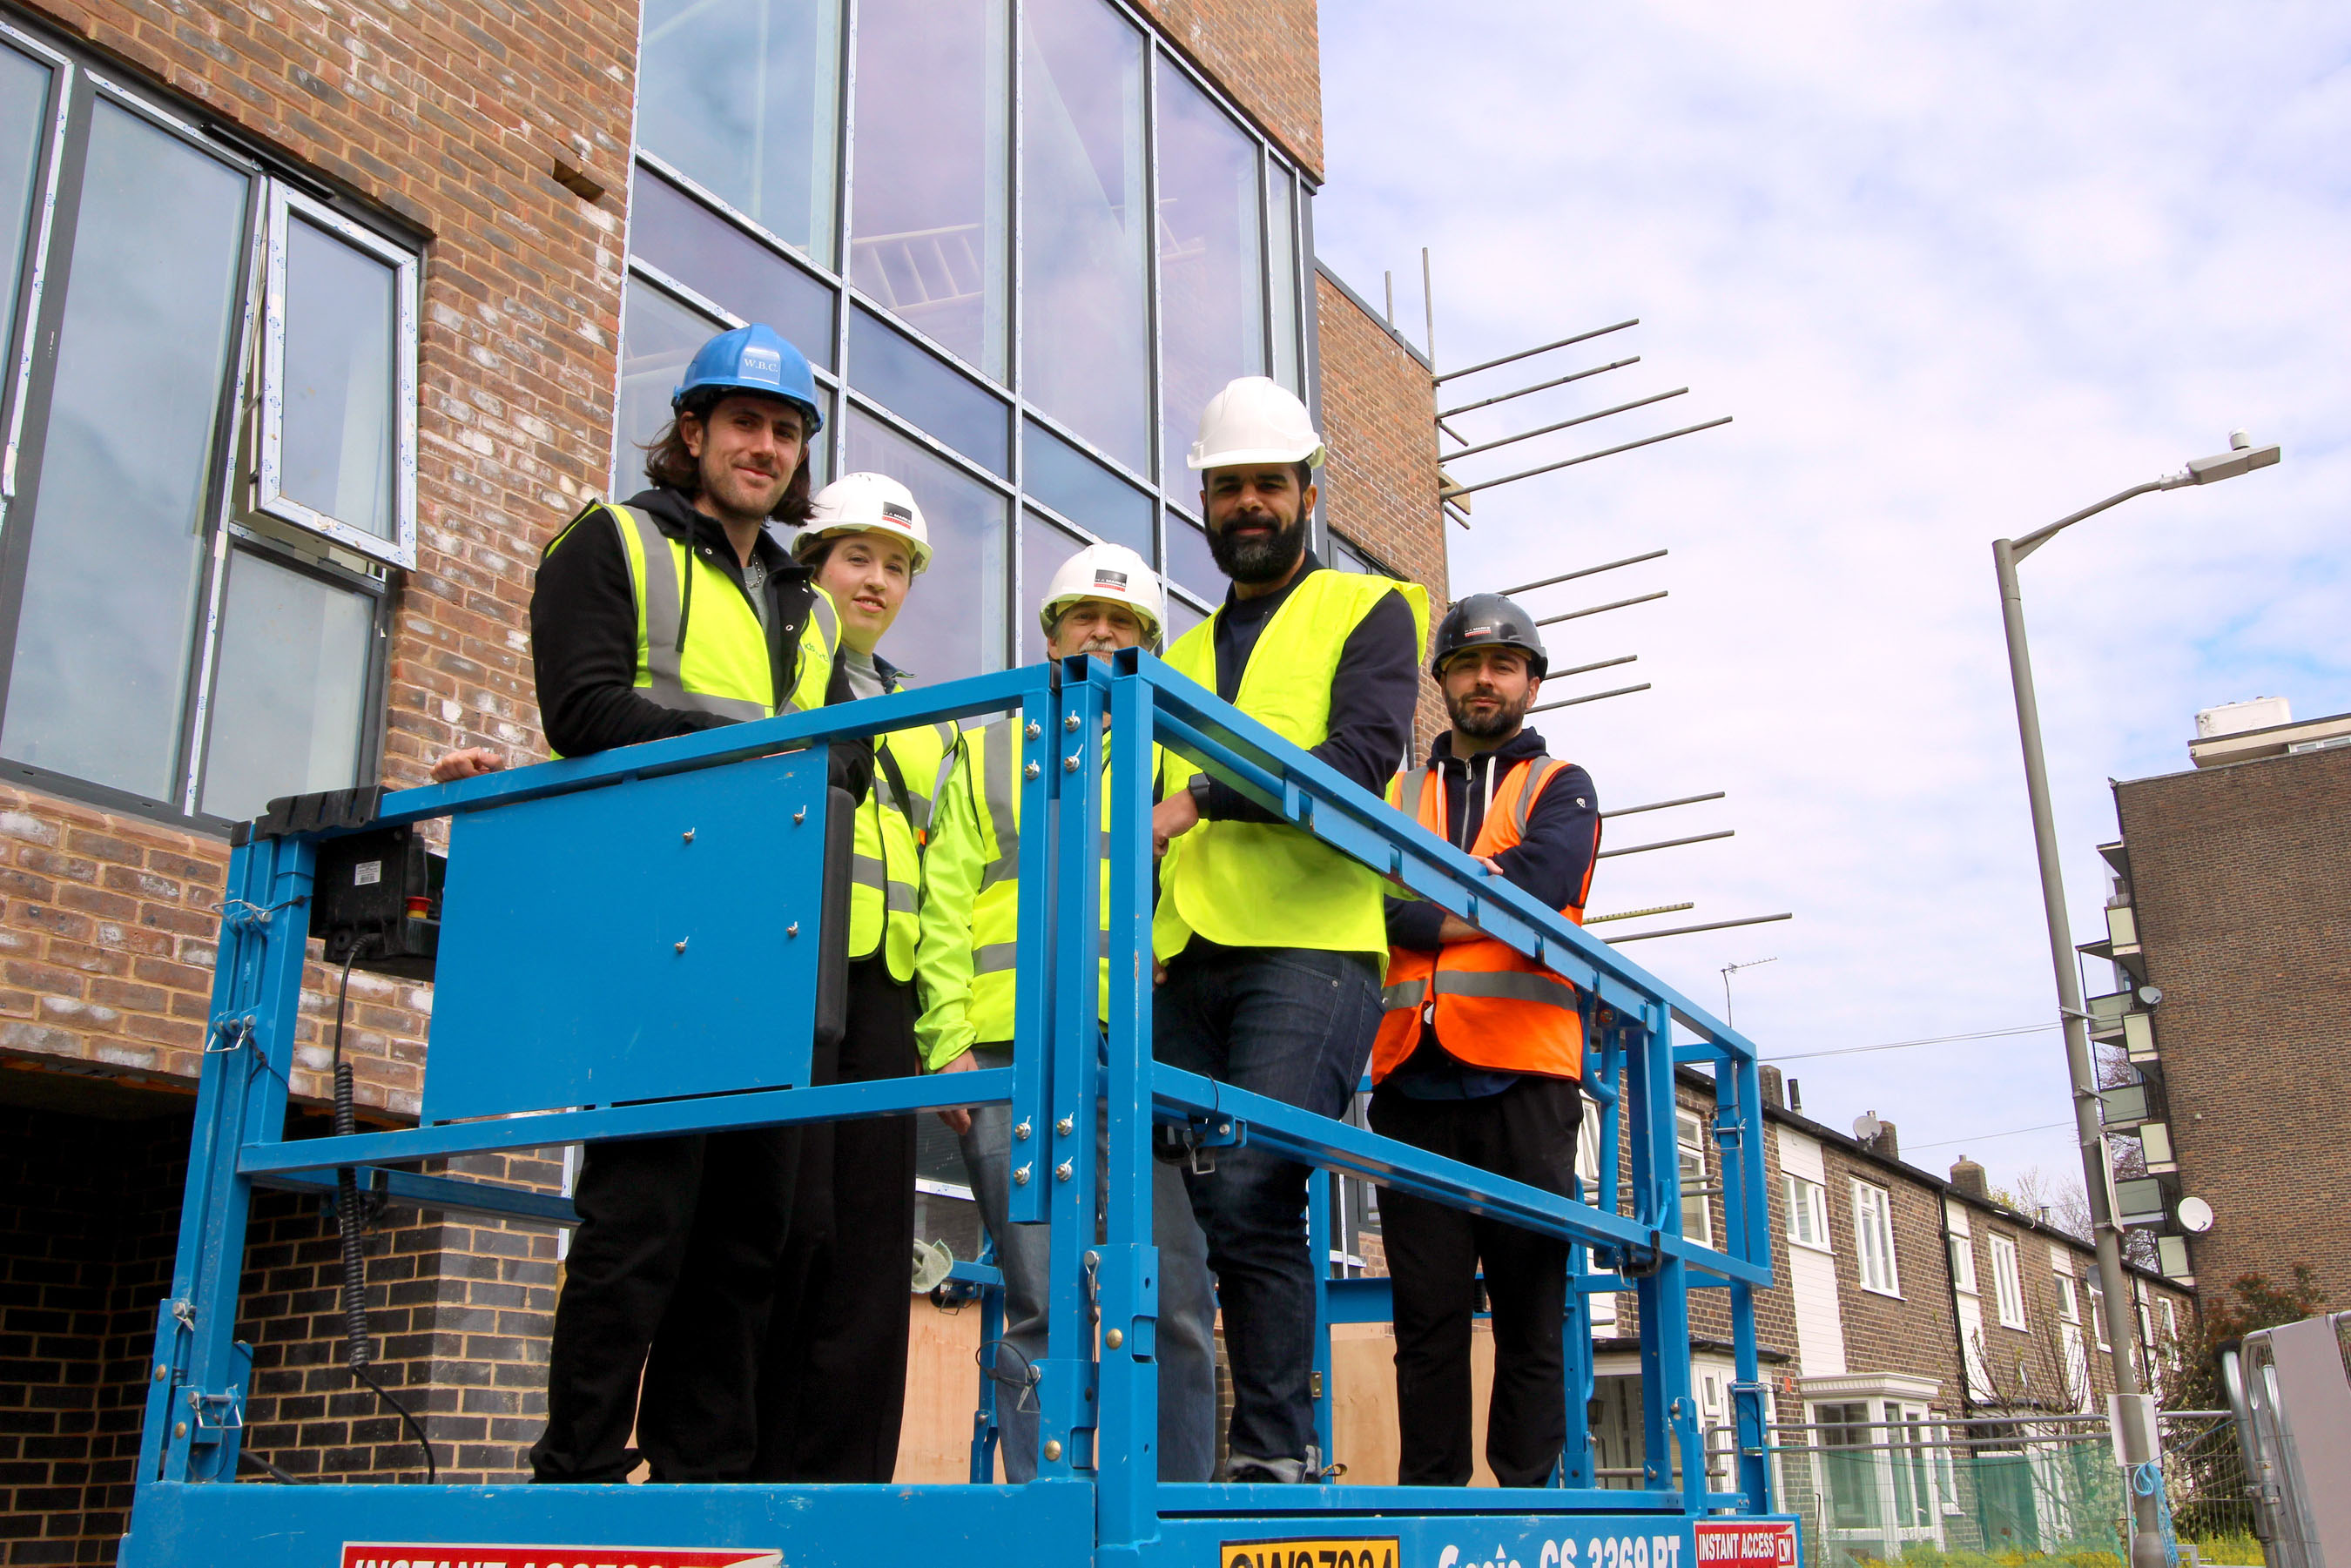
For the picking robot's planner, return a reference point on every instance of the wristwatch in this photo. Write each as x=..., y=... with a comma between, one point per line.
x=1198, y=789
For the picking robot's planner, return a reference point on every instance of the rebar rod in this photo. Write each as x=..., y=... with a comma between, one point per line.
x=1582, y=571
x=1540, y=386
x=1599, y=608
x=1531, y=353
x=1562, y=424
x=1686, y=930
x=1587, y=457
x=1666, y=844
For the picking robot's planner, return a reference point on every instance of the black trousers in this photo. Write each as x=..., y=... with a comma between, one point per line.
x=1528, y=1133
x=669, y=1278
x=832, y=1379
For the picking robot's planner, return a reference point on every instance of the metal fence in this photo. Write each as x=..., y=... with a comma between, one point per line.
x=2004, y=1491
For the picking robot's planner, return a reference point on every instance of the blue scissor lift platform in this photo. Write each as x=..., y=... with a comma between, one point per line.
x=616, y=931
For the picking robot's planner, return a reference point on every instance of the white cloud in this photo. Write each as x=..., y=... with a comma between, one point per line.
x=1957, y=271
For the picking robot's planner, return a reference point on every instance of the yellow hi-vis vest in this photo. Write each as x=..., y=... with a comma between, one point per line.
x=1269, y=884
x=885, y=883
x=991, y=770
x=700, y=647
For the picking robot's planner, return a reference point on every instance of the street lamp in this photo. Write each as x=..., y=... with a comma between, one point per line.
x=2132, y=1405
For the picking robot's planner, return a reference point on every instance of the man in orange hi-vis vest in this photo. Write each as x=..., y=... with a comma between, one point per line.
x=1479, y=1056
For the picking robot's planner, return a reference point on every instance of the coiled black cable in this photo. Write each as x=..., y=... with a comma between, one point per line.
x=356, y=1353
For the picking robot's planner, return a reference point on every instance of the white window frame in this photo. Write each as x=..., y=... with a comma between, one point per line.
x=286, y=206
x=1807, y=1212
x=1587, y=1153
x=1690, y=1139
x=2008, y=1284
x=1873, y=1239
x=2170, y=1321
x=2098, y=1311
x=1962, y=1250
x=2069, y=1300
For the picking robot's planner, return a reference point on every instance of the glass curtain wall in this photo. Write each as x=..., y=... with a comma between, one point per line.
x=1021, y=243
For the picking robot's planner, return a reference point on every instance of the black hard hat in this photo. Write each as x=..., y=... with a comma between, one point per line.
x=1488, y=621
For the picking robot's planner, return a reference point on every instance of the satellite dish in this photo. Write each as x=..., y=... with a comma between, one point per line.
x=2151, y=996
x=2195, y=1216
x=932, y=1259
x=1867, y=1127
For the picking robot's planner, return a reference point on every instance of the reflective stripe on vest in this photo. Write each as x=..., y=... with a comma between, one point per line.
x=1260, y=885
x=993, y=758
x=716, y=662
x=1492, y=1008
x=885, y=885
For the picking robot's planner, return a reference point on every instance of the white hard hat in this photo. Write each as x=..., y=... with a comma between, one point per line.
x=1112, y=573
x=865, y=503
x=1254, y=420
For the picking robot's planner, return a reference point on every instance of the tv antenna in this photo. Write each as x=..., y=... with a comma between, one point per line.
x=1731, y=969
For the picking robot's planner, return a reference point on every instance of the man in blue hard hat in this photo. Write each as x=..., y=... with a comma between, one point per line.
x=672, y=613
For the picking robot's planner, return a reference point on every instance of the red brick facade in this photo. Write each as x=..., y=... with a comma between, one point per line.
x=1267, y=56
x=2237, y=876
x=1379, y=482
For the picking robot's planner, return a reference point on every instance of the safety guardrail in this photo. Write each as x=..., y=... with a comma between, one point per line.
x=621, y=811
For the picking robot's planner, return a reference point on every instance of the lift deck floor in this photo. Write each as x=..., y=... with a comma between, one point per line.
x=1047, y=1523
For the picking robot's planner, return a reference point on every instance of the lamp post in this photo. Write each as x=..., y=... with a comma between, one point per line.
x=2132, y=1408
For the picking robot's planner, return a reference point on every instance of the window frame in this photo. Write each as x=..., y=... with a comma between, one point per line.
x=20, y=332
x=2069, y=1298
x=1172, y=507
x=2008, y=1284
x=1870, y=1199
x=229, y=519
x=1693, y=1144
x=286, y=207
x=1802, y=1195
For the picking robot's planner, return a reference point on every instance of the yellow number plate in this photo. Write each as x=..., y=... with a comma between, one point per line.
x=1354, y=1551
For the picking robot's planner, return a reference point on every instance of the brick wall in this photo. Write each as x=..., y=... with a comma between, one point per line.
x=1915, y=1334
x=1266, y=56
x=2237, y=877
x=1379, y=482
x=67, y=1430
x=459, y=1312
x=451, y=120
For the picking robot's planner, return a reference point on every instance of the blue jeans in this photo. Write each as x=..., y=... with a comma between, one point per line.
x=1187, y=1307
x=1293, y=1024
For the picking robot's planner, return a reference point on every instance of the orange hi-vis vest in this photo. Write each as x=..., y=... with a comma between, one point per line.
x=1493, y=1006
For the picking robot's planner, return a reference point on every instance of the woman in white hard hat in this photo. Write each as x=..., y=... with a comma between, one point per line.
x=832, y=1379
x=1103, y=599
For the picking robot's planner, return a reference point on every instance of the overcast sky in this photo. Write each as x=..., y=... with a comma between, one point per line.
x=1956, y=271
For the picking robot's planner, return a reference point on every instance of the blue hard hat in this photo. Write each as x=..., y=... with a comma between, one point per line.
x=753, y=358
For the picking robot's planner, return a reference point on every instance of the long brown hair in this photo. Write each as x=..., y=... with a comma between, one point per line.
x=670, y=462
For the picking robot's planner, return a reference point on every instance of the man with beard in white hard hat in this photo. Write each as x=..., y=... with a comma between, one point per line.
x=1103, y=599
x=1274, y=944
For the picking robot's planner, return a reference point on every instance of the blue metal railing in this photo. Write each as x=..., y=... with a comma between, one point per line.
x=1097, y=1395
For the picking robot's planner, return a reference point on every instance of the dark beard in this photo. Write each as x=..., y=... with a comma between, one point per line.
x=1254, y=562
x=1504, y=723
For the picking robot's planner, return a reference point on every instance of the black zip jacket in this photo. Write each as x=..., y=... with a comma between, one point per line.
x=1373, y=691
x=1550, y=862
x=583, y=637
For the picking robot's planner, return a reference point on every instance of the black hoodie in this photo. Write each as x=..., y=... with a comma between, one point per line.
x=1551, y=861
x=584, y=635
